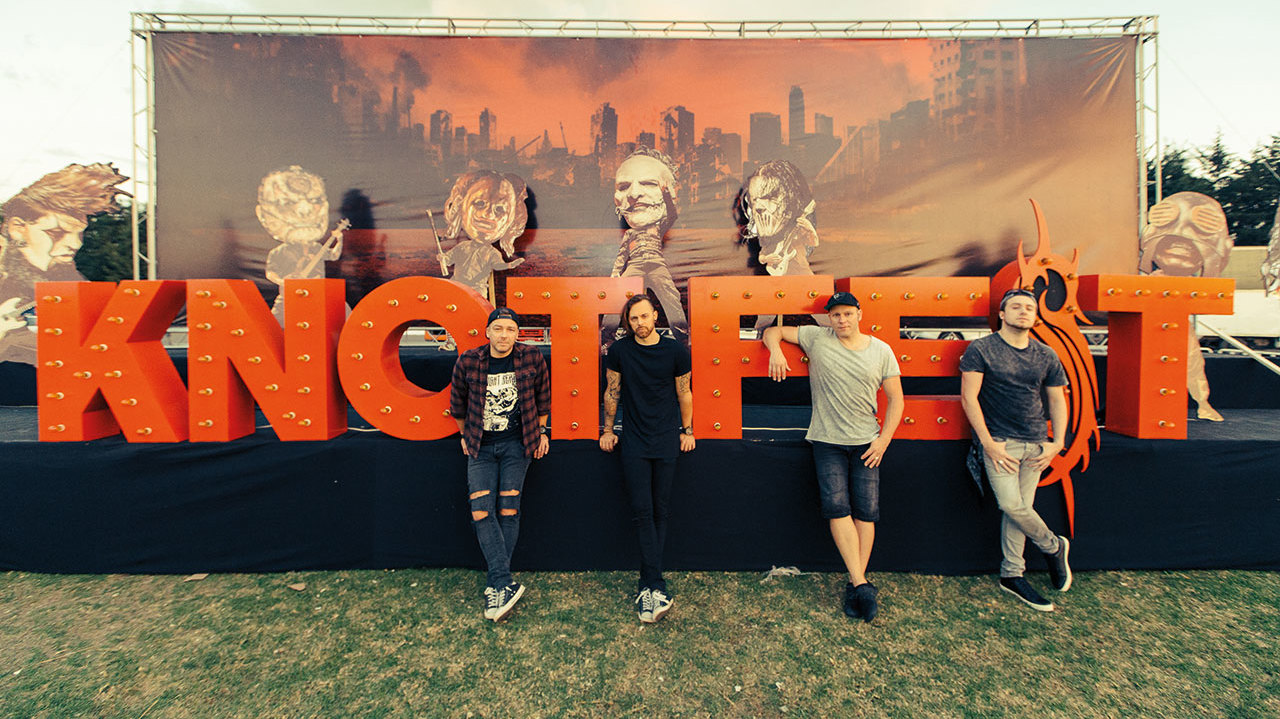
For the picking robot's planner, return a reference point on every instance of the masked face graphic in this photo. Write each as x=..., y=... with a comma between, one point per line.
x=51, y=239
x=769, y=206
x=1186, y=235
x=292, y=205
x=638, y=192
x=488, y=210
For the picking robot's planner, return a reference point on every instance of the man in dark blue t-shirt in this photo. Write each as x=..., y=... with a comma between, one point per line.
x=649, y=373
x=1003, y=378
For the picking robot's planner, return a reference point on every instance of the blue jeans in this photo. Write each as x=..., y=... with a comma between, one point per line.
x=1016, y=493
x=495, y=480
x=848, y=486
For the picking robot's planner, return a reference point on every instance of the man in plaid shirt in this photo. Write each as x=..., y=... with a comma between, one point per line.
x=501, y=399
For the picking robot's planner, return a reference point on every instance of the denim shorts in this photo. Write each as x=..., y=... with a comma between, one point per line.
x=848, y=487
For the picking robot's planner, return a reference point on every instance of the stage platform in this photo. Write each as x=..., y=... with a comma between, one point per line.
x=366, y=500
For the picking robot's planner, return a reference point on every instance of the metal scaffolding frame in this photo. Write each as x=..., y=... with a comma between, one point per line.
x=145, y=25
x=142, y=87
x=1147, y=94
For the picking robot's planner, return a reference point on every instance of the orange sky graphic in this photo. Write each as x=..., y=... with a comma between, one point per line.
x=534, y=84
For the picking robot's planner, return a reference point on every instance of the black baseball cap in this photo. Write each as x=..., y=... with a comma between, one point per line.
x=503, y=313
x=842, y=298
x=1016, y=292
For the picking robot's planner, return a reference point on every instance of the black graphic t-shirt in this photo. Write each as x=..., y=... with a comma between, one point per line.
x=501, y=409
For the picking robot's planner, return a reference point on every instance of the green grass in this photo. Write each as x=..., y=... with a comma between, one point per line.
x=413, y=643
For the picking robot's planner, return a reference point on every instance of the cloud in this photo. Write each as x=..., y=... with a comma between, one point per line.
x=407, y=72
x=593, y=62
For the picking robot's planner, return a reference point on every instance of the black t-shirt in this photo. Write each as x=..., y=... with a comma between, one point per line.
x=1013, y=382
x=650, y=407
x=501, y=402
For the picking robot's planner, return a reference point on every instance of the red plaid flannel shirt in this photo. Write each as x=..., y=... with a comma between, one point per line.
x=471, y=379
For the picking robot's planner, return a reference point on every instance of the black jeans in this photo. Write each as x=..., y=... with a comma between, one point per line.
x=648, y=483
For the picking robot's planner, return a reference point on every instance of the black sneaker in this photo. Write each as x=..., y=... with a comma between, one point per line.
x=1018, y=587
x=661, y=604
x=1059, y=570
x=507, y=598
x=864, y=595
x=490, y=602
x=851, y=602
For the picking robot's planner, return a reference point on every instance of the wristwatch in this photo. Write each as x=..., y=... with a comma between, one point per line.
x=687, y=430
x=545, y=431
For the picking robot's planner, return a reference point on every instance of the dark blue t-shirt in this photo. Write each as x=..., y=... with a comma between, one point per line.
x=650, y=406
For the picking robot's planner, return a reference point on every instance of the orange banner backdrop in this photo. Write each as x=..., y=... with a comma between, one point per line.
x=919, y=153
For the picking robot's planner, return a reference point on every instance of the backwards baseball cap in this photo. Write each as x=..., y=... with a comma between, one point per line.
x=1016, y=292
x=842, y=298
x=503, y=313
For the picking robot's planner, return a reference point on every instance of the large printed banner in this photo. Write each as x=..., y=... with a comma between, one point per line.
x=874, y=157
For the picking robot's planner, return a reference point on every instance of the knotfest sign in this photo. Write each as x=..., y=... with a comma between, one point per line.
x=102, y=369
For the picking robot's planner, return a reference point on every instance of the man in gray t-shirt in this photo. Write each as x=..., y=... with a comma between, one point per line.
x=1003, y=380
x=846, y=370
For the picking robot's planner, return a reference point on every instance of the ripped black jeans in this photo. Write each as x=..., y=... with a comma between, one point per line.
x=495, y=481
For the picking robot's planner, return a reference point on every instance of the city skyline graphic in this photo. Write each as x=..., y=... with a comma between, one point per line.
x=922, y=153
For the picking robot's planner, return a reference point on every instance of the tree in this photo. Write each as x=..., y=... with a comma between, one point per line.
x=1249, y=195
x=107, y=253
x=1178, y=174
x=1246, y=189
x=1217, y=164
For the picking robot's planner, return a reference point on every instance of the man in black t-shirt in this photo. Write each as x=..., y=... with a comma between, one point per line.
x=650, y=374
x=1003, y=377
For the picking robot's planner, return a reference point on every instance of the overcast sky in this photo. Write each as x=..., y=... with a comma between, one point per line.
x=65, y=66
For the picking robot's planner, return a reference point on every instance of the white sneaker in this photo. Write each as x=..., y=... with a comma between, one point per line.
x=490, y=602
x=644, y=606
x=506, y=599
x=661, y=604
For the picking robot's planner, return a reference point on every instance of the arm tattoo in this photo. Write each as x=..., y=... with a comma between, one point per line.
x=682, y=383
x=611, y=395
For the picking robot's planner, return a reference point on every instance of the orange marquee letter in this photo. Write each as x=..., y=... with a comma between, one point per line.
x=101, y=366
x=369, y=353
x=574, y=305
x=885, y=301
x=1147, y=345
x=237, y=353
x=721, y=359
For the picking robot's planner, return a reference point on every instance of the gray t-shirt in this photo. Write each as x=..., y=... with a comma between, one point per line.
x=1013, y=383
x=843, y=384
